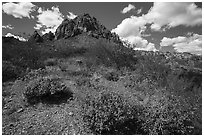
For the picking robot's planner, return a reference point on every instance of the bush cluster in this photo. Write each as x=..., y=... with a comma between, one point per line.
x=165, y=115
x=46, y=89
x=110, y=113
x=33, y=74
x=160, y=111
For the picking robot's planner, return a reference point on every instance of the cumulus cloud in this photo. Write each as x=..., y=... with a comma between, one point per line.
x=172, y=14
x=18, y=10
x=161, y=16
x=49, y=19
x=128, y=8
x=71, y=15
x=138, y=43
x=132, y=26
x=131, y=29
x=191, y=44
x=38, y=26
x=170, y=41
x=17, y=37
x=9, y=26
x=139, y=11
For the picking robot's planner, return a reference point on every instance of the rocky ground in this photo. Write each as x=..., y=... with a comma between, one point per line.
x=110, y=89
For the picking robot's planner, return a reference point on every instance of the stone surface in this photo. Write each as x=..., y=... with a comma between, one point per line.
x=84, y=24
x=48, y=36
x=35, y=37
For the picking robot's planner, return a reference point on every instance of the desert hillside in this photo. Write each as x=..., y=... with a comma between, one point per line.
x=84, y=80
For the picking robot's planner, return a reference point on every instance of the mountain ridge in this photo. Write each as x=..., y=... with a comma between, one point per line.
x=83, y=23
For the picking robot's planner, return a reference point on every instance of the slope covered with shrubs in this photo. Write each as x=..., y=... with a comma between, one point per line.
x=94, y=86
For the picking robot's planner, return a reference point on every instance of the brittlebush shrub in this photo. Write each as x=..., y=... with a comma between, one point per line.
x=166, y=114
x=46, y=89
x=111, y=113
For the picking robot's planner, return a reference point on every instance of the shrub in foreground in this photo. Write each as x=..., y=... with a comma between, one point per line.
x=165, y=114
x=110, y=113
x=47, y=89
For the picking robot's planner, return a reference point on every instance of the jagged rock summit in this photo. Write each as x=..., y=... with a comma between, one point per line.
x=84, y=24
x=72, y=27
x=35, y=37
x=48, y=36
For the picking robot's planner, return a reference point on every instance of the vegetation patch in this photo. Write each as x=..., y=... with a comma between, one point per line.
x=47, y=89
x=50, y=62
x=9, y=71
x=111, y=113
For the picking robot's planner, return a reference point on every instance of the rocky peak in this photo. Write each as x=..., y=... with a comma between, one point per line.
x=84, y=24
x=48, y=36
x=35, y=37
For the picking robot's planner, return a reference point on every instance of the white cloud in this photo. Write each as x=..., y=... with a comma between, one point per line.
x=17, y=37
x=155, y=27
x=18, y=10
x=131, y=29
x=132, y=26
x=128, y=8
x=172, y=14
x=139, y=43
x=38, y=26
x=49, y=19
x=9, y=26
x=71, y=15
x=47, y=30
x=170, y=41
x=139, y=11
x=191, y=44
x=161, y=16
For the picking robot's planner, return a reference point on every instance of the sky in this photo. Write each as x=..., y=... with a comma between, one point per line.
x=151, y=26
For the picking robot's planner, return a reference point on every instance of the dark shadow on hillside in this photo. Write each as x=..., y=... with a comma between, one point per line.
x=57, y=98
x=129, y=127
x=194, y=77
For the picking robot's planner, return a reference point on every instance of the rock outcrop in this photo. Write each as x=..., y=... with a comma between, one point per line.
x=35, y=37
x=84, y=24
x=48, y=36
